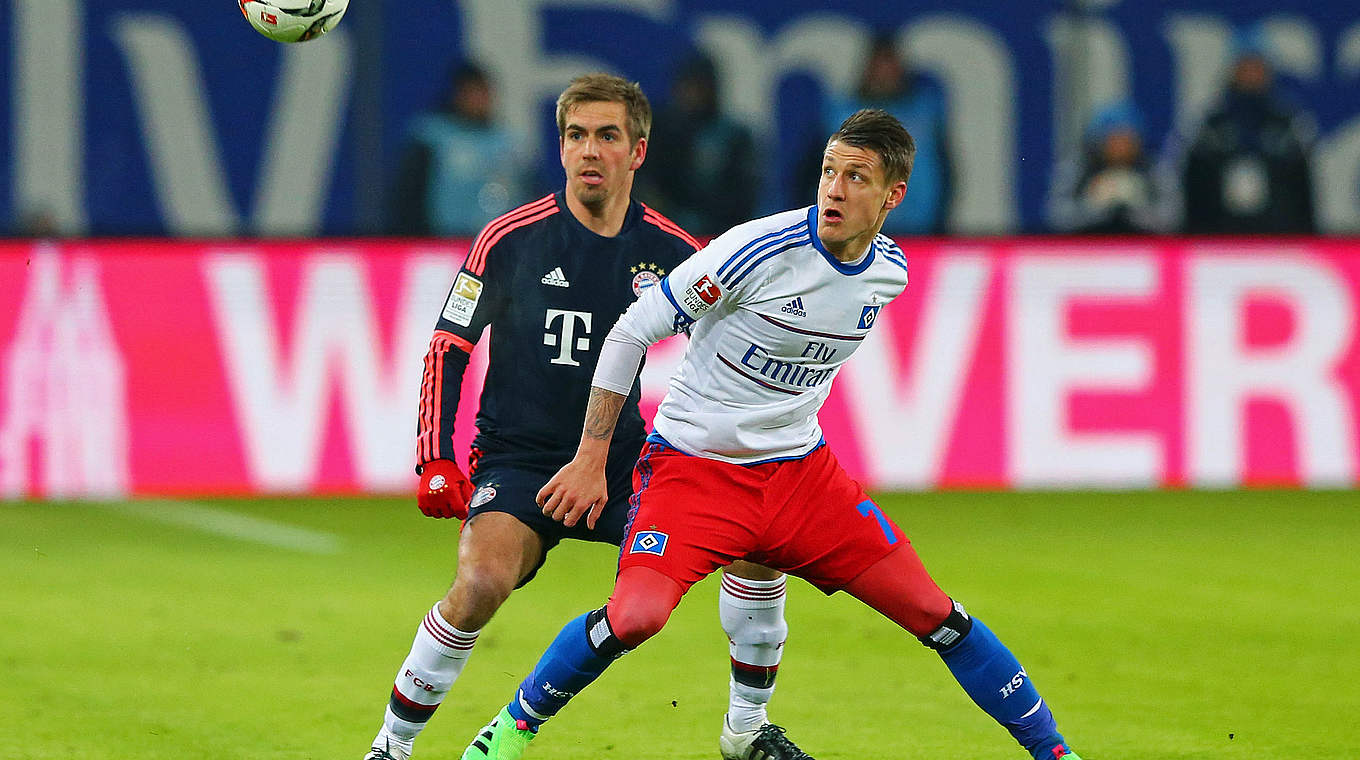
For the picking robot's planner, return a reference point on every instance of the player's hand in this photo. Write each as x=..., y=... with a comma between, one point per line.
x=577, y=489
x=444, y=490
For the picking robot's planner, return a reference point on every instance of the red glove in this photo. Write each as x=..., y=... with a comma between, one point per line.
x=444, y=490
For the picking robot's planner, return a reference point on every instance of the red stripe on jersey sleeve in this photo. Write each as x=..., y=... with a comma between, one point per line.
x=478, y=261
x=437, y=394
x=428, y=437
x=426, y=404
x=496, y=229
x=454, y=340
x=649, y=214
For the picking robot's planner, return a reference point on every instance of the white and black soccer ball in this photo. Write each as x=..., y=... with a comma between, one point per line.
x=293, y=20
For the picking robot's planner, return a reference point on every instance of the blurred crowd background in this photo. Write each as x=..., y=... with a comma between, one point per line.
x=428, y=118
x=274, y=226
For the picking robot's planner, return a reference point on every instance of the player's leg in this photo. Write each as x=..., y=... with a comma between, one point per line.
x=642, y=602
x=496, y=551
x=899, y=587
x=680, y=544
x=637, y=610
x=657, y=565
x=751, y=608
x=868, y=556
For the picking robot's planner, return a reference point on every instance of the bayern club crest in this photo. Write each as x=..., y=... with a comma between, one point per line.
x=644, y=280
x=645, y=276
x=482, y=496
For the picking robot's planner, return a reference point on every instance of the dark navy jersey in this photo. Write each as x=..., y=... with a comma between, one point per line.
x=550, y=290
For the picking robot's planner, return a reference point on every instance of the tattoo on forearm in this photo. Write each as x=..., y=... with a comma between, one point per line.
x=602, y=413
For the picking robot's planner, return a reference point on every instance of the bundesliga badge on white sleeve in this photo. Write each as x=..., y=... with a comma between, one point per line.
x=293, y=20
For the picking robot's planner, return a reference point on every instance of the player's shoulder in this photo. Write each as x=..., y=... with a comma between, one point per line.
x=789, y=223
x=748, y=246
x=656, y=222
x=774, y=230
x=889, y=251
x=503, y=228
x=889, y=247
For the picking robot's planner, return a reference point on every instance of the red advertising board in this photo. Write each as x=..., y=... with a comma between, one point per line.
x=154, y=367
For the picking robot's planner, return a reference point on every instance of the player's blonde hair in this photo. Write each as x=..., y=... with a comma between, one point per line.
x=607, y=88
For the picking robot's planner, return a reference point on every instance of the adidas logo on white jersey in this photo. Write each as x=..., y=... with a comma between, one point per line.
x=556, y=278
x=794, y=307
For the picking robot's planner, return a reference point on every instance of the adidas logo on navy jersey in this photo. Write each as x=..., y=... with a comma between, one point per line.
x=794, y=307
x=556, y=278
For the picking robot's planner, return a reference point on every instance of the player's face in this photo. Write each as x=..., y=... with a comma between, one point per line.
x=853, y=199
x=597, y=153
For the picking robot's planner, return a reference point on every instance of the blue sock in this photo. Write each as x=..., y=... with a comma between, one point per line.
x=991, y=675
x=570, y=663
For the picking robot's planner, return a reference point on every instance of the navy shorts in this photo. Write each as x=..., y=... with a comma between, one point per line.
x=510, y=485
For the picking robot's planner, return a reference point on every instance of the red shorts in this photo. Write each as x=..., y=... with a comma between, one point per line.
x=806, y=517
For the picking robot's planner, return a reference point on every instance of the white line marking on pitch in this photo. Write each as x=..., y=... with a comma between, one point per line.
x=222, y=522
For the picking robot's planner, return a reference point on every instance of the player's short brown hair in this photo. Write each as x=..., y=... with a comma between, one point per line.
x=607, y=88
x=877, y=130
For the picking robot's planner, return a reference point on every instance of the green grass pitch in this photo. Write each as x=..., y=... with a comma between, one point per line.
x=1158, y=625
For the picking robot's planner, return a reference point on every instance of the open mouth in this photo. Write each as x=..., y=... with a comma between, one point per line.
x=832, y=215
x=591, y=177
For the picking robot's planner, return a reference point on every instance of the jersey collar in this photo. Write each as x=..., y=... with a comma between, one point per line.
x=837, y=264
x=629, y=222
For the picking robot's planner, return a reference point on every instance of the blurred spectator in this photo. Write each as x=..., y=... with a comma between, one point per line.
x=459, y=169
x=701, y=168
x=888, y=82
x=1111, y=188
x=1247, y=170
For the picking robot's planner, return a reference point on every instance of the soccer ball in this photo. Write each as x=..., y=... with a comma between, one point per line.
x=293, y=20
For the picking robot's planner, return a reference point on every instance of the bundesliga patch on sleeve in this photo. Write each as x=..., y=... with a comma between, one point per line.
x=702, y=294
x=463, y=299
x=649, y=542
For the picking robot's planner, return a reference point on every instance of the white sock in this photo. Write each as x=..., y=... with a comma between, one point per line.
x=437, y=657
x=752, y=614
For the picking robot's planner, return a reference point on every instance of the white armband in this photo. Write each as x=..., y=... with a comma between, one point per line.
x=618, y=365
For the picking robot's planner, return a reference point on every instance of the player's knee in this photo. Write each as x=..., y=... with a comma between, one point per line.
x=635, y=621
x=475, y=596
x=742, y=627
x=600, y=634
x=641, y=604
x=956, y=625
x=487, y=587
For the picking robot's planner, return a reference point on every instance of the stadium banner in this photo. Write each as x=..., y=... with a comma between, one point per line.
x=167, y=117
x=184, y=368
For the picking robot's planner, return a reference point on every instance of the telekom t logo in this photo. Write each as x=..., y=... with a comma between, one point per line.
x=566, y=339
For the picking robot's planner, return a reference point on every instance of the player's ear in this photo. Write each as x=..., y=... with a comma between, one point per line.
x=896, y=193
x=639, y=154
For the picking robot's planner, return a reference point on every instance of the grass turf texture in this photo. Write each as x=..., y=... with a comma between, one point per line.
x=1158, y=625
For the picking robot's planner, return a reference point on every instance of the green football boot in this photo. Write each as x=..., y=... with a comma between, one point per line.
x=504, y=738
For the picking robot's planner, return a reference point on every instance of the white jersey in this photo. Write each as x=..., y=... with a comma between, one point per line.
x=772, y=316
